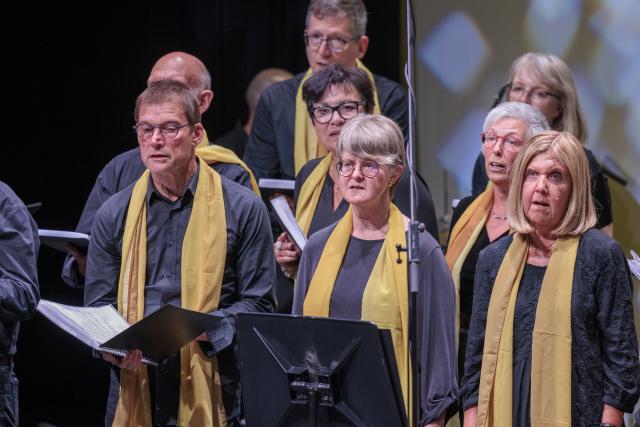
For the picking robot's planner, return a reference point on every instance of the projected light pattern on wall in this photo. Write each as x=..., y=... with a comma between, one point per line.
x=603, y=53
x=551, y=25
x=455, y=52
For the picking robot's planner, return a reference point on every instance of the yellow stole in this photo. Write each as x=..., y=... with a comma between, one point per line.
x=310, y=193
x=385, y=299
x=551, y=340
x=217, y=154
x=463, y=235
x=305, y=145
x=203, y=253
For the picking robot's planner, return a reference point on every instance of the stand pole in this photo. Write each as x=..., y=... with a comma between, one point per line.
x=414, y=229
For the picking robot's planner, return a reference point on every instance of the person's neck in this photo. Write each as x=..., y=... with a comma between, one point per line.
x=172, y=185
x=371, y=222
x=499, y=205
x=247, y=126
x=540, y=247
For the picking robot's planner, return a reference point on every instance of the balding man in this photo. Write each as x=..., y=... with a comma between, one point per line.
x=236, y=139
x=127, y=167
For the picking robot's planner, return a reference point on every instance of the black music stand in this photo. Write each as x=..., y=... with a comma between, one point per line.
x=306, y=371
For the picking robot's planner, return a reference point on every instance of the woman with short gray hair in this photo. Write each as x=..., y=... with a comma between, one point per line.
x=349, y=270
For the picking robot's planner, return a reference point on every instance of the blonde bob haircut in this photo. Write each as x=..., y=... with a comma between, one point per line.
x=554, y=73
x=375, y=137
x=580, y=214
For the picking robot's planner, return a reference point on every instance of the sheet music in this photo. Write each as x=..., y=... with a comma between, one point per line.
x=288, y=221
x=92, y=325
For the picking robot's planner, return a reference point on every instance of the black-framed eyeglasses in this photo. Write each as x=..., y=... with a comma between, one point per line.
x=509, y=143
x=346, y=110
x=334, y=43
x=368, y=168
x=537, y=94
x=167, y=130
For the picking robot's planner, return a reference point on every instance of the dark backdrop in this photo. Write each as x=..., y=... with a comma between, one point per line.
x=72, y=76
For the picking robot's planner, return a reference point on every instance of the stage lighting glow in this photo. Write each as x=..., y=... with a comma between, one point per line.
x=455, y=52
x=458, y=154
x=551, y=25
x=591, y=105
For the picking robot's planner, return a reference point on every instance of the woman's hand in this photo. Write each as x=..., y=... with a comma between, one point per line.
x=471, y=417
x=611, y=415
x=287, y=255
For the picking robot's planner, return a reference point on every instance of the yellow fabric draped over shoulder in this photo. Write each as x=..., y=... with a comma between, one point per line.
x=310, y=193
x=551, y=339
x=216, y=154
x=305, y=140
x=463, y=235
x=385, y=300
x=203, y=254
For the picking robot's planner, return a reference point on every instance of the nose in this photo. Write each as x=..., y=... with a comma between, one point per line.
x=525, y=97
x=336, y=118
x=156, y=137
x=497, y=147
x=323, y=49
x=541, y=186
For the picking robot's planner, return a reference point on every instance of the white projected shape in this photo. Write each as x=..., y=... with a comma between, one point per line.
x=616, y=76
x=551, y=24
x=455, y=52
x=461, y=149
x=617, y=23
x=591, y=105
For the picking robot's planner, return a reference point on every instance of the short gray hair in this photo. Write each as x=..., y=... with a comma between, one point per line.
x=354, y=10
x=375, y=137
x=534, y=119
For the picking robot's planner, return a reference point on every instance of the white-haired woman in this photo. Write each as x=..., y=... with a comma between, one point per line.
x=480, y=220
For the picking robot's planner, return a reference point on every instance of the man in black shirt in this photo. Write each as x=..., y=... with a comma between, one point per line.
x=19, y=294
x=187, y=236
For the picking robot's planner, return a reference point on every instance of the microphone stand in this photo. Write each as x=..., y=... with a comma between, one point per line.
x=413, y=249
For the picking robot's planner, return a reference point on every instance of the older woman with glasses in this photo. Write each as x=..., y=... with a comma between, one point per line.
x=552, y=340
x=479, y=220
x=334, y=95
x=349, y=270
x=545, y=82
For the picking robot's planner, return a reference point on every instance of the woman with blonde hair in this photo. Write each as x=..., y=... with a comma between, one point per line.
x=552, y=339
x=545, y=82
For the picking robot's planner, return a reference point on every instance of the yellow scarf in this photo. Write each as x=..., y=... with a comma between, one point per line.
x=310, y=193
x=203, y=253
x=217, y=154
x=305, y=146
x=551, y=340
x=463, y=235
x=385, y=300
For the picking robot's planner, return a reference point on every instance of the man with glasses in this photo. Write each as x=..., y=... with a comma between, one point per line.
x=282, y=139
x=181, y=235
x=127, y=167
x=19, y=294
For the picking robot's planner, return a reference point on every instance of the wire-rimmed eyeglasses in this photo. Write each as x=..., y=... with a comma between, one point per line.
x=334, y=43
x=168, y=131
x=368, y=168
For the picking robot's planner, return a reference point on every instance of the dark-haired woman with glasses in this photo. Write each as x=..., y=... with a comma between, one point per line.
x=349, y=269
x=334, y=96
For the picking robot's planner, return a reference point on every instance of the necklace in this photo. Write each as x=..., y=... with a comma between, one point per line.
x=494, y=216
